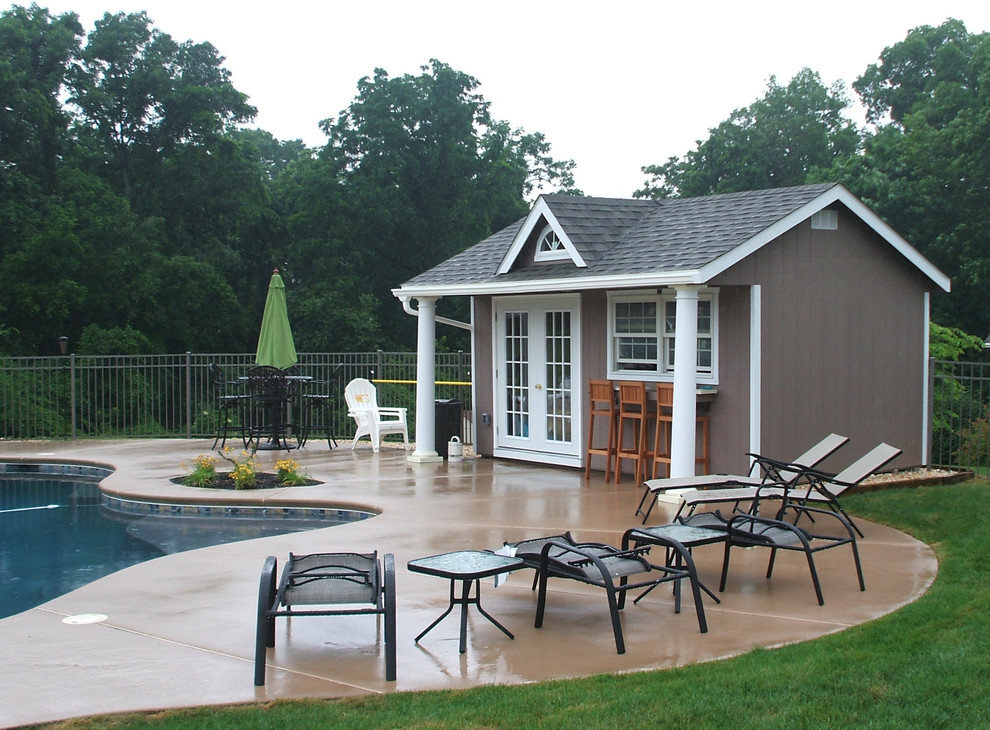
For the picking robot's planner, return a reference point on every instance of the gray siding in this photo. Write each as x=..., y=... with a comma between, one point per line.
x=843, y=346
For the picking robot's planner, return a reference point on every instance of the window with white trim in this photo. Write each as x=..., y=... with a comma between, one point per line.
x=642, y=327
x=549, y=247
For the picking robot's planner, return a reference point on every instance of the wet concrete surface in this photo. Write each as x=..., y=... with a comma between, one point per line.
x=180, y=629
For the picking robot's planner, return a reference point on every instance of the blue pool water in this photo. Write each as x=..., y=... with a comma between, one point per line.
x=56, y=536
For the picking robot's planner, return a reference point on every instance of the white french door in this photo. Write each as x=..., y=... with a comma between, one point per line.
x=536, y=369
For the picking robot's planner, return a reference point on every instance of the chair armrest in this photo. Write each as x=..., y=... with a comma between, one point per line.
x=393, y=412
x=818, y=512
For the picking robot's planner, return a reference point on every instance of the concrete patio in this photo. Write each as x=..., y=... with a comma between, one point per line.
x=180, y=629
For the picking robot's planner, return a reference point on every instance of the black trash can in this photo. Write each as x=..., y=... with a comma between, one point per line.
x=447, y=423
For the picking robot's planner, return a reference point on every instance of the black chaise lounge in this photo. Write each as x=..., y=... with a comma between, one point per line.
x=810, y=487
x=747, y=530
x=607, y=567
x=763, y=470
x=337, y=584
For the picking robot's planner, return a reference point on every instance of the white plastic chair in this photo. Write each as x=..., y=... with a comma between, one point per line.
x=371, y=420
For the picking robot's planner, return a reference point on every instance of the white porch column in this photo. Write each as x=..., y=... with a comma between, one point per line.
x=426, y=382
x=755, y=369
x=684, y=427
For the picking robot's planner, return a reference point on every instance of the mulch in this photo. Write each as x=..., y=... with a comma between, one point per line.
x=265, y=480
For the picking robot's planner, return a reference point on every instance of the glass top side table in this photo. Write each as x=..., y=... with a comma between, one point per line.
x=466, y=566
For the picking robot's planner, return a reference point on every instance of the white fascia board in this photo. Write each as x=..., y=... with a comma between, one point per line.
x=538, y=286
x=856, y=206
x=540, y=210
x=894, y=239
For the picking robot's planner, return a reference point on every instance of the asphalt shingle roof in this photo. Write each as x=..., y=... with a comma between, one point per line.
x=619, y=237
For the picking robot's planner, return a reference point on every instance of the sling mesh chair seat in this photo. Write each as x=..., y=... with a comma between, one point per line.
x=607, y=567
x=336, y=584
x=747, y=530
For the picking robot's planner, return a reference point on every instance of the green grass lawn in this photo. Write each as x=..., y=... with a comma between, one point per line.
x=924, y=666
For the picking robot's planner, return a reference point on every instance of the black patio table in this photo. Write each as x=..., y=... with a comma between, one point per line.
x=271, y=389
x=467, y=566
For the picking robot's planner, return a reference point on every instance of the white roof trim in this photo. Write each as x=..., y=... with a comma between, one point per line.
x=540, y=211
x=614, y=281
x=833, y=194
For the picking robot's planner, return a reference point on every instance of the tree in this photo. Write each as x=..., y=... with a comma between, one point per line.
x=414, y=171
x=140, y=93
x=36, y=52
x=777, y=141
x=928, y=71
x=927, y=161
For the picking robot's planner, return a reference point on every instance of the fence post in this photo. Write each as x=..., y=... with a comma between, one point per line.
x=188, y=395
x=72, y=394
x=930, y=413
x=379, y=367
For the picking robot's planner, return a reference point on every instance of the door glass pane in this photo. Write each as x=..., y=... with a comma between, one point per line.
x=558, y=376
x=517, y=373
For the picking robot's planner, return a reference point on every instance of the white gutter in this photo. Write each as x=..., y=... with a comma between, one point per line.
x=543, y=286
x=407, y=308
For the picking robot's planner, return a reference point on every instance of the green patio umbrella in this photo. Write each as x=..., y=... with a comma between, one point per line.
x=275, y=345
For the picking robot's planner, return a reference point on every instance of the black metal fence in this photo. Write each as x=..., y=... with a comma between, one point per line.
x=141, y=396
x=959, y=407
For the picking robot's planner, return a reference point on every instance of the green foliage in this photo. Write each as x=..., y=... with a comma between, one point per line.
x=36, y=52
x=124, y=175
x=925, y=165
x=203, y=473
x=420, y=171
x=951, y=343
x=955, y=433
x=777, y=141
x=287, y=472
x=119, y=340
x=245, y=469
x=974, y=442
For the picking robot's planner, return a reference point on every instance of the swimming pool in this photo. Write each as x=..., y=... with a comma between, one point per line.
x=57, y=535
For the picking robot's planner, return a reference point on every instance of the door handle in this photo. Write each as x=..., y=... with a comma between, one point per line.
x=538, y=386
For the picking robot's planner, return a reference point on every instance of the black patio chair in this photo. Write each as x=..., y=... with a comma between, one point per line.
x=231, y=408
x=607, y=567
x=270, y=397
x=748, y=530
x=327, y=580
x=318, y=408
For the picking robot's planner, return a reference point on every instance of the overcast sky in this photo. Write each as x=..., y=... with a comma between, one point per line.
x=613, y=85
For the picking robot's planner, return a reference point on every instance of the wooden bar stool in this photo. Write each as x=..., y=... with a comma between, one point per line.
x=664, y=427
x=632, y=410
x=602, y=394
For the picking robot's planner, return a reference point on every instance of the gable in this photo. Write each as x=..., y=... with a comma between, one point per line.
x=540, y=225
x=588, y=227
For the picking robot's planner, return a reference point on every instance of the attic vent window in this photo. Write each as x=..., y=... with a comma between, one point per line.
x=550, y=247
x=825, y=220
